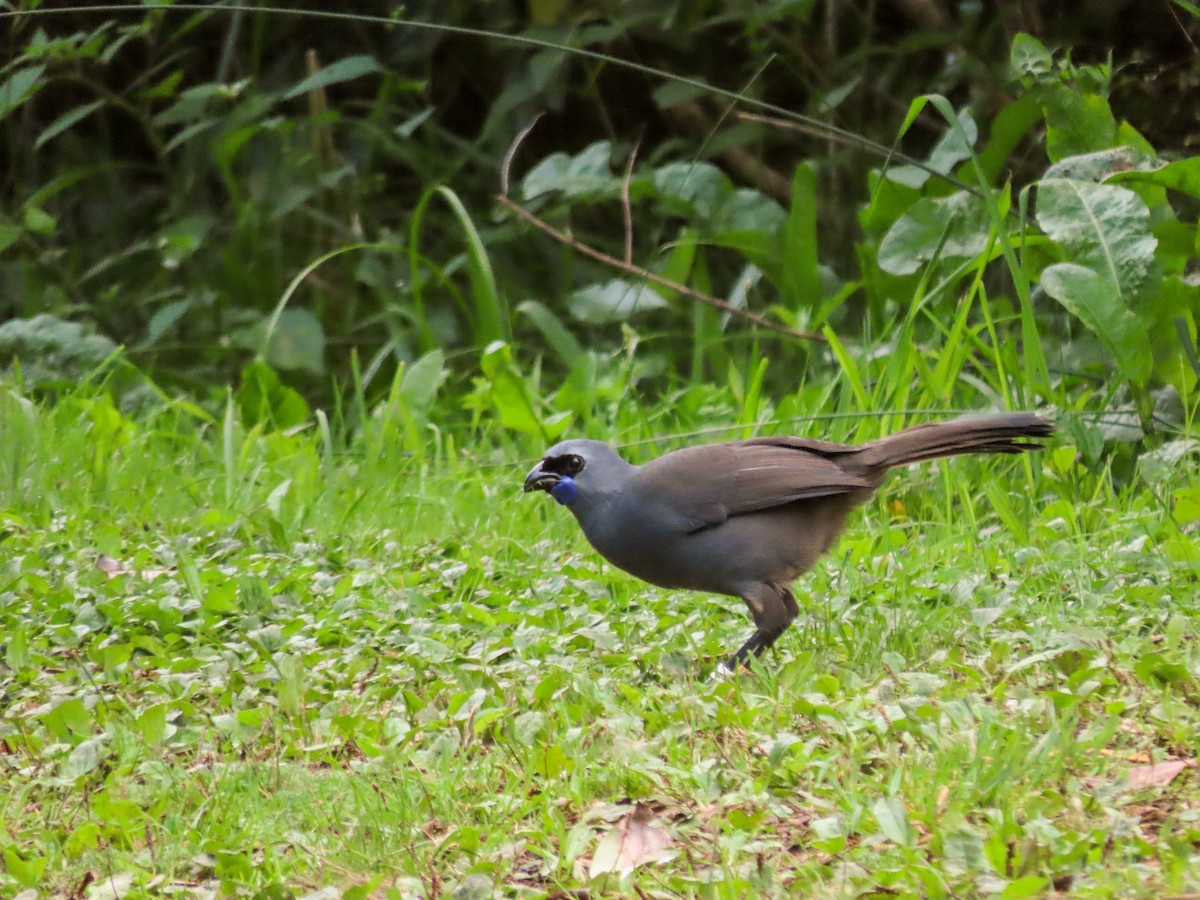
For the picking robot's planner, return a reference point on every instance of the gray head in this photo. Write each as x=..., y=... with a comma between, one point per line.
x=579, y=473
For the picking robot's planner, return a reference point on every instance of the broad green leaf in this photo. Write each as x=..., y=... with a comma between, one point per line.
x=19, y=87
x=1100, y=165
x=954, y=227
x=262, y=398
x=1008, y=128
x=69, y=721
x=83, y=759
x=585, y=174
x=82, y=839
x=1182, y=175
x=298, y=341
x=696, y=188
x=893, y=820
x=1076, y=122
x=1187, y=506
x=16, y=647
x=679, y=263
x=528, y=727
x=26, y=869
x=421, y=380
x=463, y=706
x=1029, y=58
x=1029, y=886
x=746, y=212
x=38, y=220
x=1102, y=226
x=183, y=237
x=613, y=301
x=509, y=393
x=963, y=850
x=342, y=70
x=1093, y=299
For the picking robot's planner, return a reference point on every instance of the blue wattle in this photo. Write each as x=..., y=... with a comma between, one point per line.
x=565, y=491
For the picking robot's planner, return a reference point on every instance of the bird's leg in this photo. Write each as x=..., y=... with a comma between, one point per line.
x=773, y=608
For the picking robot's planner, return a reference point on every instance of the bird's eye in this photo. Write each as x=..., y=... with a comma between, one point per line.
x=572, y=464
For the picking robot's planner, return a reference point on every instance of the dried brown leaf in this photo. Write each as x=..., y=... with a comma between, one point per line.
x=114, y=568
x=633, y=842
x=1146, y=776
x=109, y=566
x=1158, y=773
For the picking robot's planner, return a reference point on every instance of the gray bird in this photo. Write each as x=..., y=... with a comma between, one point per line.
x=746, y=518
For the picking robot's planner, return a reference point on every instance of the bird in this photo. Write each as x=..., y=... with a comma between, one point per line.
x=746, y=518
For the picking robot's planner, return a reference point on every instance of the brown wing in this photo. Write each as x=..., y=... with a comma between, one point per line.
x=706, y=485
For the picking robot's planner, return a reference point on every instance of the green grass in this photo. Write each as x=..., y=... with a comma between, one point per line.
x=398, y=677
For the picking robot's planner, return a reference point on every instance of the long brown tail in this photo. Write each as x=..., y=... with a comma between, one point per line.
x=972, y=434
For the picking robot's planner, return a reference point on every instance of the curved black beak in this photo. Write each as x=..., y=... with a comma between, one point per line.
x=539, y=479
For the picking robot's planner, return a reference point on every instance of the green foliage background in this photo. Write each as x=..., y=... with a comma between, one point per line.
x=200, y=186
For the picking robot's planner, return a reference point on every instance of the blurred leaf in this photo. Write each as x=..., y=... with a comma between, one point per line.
x=613, y=301
x=38, y=221
x=801, y=275
x=960, y=220
x=83, y=759
x=183, y=237
x=65, y=121
x=263, y=399
x=588, y=173
x=1187, y=505
x=1029, y=886
x=675, y=93
x=298, y=341
x=1077, y=122
x=697, y=188
x=26, y=869
x=1155, y=669
x=10, y=233
x=19, y=87
x=528, y=727
x=747, y=214
x=342, y=70
x=953, y=147
x=1095, y=302
x=164, y=320
x=409, y=126
x=509, y=393
x=554, y=332
x=421, y=380
x=51, y=348
x=893, y=820
x=192, y=104
x=1100, y=165
x=964, y=850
